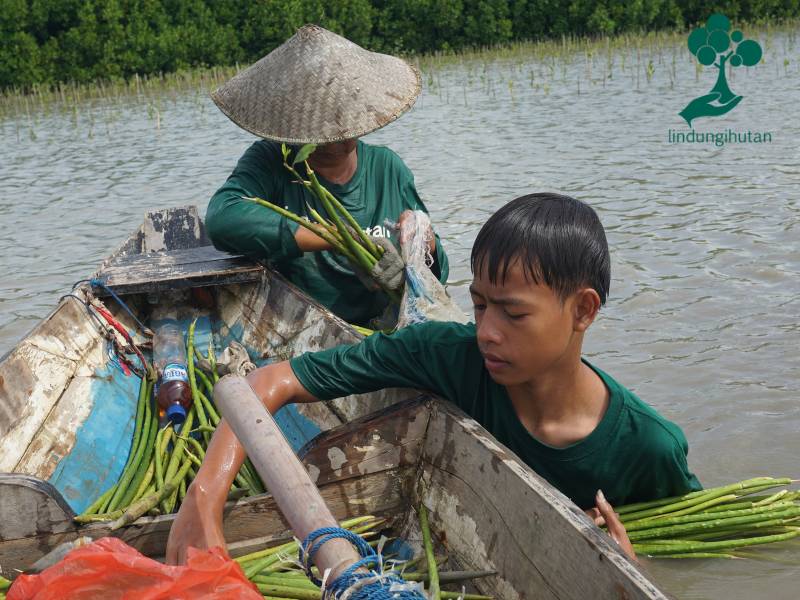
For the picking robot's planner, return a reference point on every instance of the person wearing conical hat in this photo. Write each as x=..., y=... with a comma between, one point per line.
x=319, y=88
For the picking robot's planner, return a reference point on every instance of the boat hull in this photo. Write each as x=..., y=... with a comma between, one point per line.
x=488, y=510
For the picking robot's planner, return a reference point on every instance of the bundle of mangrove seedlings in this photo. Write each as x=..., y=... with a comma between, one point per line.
x=164, y=459
x=337, y=226
x=716, y=522
x=278, y=574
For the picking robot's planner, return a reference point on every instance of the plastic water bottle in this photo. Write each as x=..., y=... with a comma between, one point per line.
x=174, y=395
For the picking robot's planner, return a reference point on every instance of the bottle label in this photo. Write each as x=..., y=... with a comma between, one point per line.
x=174, y=372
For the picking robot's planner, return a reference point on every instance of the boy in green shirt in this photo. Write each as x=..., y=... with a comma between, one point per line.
x=541, y=272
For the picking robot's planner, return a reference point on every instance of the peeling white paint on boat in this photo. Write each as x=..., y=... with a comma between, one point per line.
x=313, y=472
x=447, y=510
x=337, y=458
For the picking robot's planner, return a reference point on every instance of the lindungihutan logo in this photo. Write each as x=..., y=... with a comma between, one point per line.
x=716, y=45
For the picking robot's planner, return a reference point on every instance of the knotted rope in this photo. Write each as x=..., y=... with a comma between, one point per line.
x=372, y=584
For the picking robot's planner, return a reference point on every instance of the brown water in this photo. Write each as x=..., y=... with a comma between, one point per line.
x=702, y=320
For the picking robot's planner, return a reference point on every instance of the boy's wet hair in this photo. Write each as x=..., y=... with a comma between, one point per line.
x=558, y=240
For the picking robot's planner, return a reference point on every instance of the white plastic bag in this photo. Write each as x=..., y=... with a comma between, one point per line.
x=424, y=297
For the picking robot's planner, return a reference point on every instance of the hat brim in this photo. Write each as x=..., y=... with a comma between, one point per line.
x=319, y=88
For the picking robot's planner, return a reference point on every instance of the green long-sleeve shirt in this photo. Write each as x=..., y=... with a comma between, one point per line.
x=381, y=188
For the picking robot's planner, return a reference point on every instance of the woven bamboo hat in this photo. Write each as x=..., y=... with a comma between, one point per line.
x=318, y=87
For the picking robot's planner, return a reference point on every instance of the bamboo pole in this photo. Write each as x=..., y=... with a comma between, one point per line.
x=281, y=470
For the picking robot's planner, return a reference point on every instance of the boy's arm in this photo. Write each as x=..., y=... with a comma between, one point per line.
x=377, y=362
x=199, y=520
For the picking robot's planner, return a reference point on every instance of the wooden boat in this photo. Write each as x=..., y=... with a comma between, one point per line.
x=489, y=510
x=66, y=412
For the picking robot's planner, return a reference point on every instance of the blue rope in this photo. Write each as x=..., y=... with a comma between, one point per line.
x=380, y=584
x=99, y=283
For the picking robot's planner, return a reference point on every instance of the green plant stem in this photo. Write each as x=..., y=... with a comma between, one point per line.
x=696, y=498
x=643, y=506
x=745, y=503
x=433, y=573
x=365, y=239
x=212, y=413
x=162, y=441
x=765, y=528
x=699, y=555
x=679, y=547
x=699, y=506
x=774, y=518
x=143, y=430
x=704, y=517
x=176, y=460
x=147, y=455
x=148, y=478
x=364, y=259
x=201, y=415
x=212, y=360
x=206, y=382
x=294, y=582
x=316, y=229
x=324, y=222
x=139, y=508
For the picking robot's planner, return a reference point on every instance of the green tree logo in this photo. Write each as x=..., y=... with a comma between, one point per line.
x=714, y=45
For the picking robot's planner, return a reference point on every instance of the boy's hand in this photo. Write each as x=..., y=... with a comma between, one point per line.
x=603, y=513
x=197, y=524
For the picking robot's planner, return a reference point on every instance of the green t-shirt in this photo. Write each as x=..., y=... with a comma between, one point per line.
x=633, y=455
x=381, y=188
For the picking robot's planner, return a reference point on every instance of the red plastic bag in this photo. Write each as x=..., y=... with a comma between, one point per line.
x=109, y=569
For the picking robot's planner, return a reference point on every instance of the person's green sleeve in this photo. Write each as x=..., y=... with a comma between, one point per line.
x=441, y=268
x=243, y=227
x=379, y=361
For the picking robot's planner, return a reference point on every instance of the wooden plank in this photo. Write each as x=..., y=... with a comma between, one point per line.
x=29, y=506
x=171, y=258
x=247, y=522
x=498, y=514
x=390, y=438
x=193, y=267
x=176, y=227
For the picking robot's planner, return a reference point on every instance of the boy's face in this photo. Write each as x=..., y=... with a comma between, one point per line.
x=524, y=330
